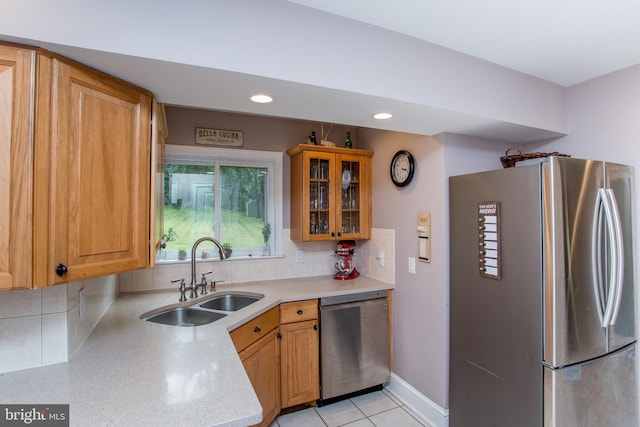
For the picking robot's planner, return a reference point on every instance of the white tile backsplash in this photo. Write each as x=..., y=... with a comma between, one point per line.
x=54, y=338
x=20, y=303
x=21, y=342
x=382, y=240
x=99, y=294
x=54, y=299
x=319, y=260
x=42, y=326
x=142, y=280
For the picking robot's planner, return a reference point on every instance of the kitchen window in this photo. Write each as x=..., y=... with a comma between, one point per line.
x=233, y=195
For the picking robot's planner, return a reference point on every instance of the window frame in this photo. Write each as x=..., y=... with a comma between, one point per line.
x=272, y=160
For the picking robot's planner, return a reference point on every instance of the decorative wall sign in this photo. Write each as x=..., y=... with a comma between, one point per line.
x=489, y=239
x=220, y=137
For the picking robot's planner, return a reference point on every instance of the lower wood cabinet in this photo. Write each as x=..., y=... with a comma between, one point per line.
x=261, y=360
x=280, y=353
x=257, y=343
x=299, y=353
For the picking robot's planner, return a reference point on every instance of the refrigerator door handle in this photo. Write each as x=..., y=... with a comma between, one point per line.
x=606, y=204
x=618, y=244
x=613, y=256
x=596, y=260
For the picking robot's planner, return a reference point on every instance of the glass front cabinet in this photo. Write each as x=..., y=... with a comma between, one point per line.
x=330, y=193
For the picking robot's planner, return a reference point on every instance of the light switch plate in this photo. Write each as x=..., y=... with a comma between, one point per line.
x=412, y=265
x=80, y=302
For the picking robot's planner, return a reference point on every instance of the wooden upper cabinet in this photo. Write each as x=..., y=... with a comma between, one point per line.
x=17, y=67
x=159, y=134
x=98, y=165
x=330, y=193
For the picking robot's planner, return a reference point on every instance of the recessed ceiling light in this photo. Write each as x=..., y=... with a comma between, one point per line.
x=261, y=98
x=382, y=116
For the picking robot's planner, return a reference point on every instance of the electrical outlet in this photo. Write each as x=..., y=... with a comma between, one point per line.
x=380, y=258
x=412, y=265
x=299, y=256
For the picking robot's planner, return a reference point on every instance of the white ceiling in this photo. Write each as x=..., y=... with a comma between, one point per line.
x=563, y=41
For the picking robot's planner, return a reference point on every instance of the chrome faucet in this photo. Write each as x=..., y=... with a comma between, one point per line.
x=223, y=256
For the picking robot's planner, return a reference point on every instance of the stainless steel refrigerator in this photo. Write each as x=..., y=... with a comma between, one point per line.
x=542, y=327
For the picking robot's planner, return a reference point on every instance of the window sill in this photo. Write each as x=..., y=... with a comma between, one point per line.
x=200, y=260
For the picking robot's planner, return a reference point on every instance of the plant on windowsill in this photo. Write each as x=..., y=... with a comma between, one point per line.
x=168, y=237
x=227, y=249
x=182, y=254
x=266, y=233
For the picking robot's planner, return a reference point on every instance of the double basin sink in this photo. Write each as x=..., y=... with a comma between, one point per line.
x=202, y=312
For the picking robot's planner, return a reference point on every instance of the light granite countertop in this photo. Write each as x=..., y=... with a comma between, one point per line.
x=135, y=373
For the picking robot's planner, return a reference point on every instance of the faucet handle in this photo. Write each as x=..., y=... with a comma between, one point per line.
x=213, y=284
x=203, y=283
x=183, y=289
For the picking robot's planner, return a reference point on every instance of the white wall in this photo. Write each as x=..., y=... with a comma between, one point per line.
x=604, y=120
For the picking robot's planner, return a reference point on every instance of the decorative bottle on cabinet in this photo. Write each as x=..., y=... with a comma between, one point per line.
x=348, y=143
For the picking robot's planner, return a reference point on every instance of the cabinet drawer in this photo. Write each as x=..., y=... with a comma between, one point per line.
x=298, y=311
x=255, y=329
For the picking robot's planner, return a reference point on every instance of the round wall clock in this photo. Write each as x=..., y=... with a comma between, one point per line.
x=402, y=168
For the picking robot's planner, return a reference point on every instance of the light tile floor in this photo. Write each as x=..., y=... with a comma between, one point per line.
x=379, y=409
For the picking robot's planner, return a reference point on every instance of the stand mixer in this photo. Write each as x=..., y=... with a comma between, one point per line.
x=346, y=268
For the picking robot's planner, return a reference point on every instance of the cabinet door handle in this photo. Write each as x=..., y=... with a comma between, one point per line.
x=315, y=327
x=61, y=270
x=256, y=329
x=300, y=312
x=279, y=335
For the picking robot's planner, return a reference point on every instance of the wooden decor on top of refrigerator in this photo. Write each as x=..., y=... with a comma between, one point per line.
x=489, y=239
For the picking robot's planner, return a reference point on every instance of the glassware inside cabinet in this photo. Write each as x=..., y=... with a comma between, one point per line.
x=324, y=169
x=350, y=185
x=313, y=224
x=350, y=197
x=354, y=197
x=350, y=222
x=313, y=195
x=323, y=225
x=355, y=171
x=319, y=202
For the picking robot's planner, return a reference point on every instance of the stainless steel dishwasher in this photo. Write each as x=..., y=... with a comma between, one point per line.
x=354, y=337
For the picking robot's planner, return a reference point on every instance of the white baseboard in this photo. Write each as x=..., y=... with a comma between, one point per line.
x=419, y=403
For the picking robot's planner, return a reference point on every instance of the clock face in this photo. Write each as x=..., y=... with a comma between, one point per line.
x=402, y=167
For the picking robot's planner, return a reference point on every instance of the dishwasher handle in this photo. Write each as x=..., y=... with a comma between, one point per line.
x=362, y=296
x=382, y=303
